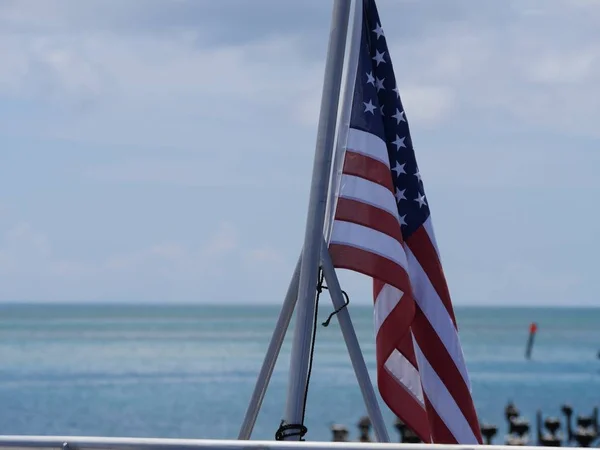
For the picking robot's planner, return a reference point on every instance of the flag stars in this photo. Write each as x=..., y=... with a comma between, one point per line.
x=420, y=200
x=418, y=175
x=370, y=79
x=402, y=220
x=399, y=142
x=397, y=91
x=379, y=84
x=400, y=194
x=369, y=107
x=399, y=169
x=378, y=58
x=399, y=116
x=378, y=31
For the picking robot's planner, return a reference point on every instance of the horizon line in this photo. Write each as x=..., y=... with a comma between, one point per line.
x=265, y=304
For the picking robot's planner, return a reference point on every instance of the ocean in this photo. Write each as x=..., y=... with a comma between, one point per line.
x=188, y=371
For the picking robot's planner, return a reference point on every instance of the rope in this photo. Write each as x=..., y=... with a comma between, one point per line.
x=295, y=429
x=321, y=286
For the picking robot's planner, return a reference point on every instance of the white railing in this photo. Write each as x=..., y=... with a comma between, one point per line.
x=104, y=443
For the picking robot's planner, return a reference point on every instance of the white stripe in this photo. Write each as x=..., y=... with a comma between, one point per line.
x=365, y=191
x=387, y=299
x=406, y=374
x=368, y=239
x=428, y=225
x=442, y=401
x=436, y=313
x=367, y=144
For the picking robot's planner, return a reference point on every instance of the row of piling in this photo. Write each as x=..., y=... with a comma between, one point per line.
x=550, y=432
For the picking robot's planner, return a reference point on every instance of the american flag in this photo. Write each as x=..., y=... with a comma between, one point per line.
x=382, y=228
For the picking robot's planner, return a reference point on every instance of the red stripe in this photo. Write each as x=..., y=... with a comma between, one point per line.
x=429, y=341
x=394, y=331
x=368, y=168
x=408, y=350
x=421, y=246
x=440, y=433
x=378, y=285
x=367, y=263
x=442, y=363
x=390, y=331
x=403, y=404
x=369, y=216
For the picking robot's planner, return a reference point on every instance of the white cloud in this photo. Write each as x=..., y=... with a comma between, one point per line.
x=264, y=255
x=427, y=104
x=516, y=67
x=140, y=84
x=522, y=283
x=31, y=270
x=195, y=94
x=23, y=247
x=223, y=242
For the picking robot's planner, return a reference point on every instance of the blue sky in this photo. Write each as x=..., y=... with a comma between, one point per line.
x=155, y=151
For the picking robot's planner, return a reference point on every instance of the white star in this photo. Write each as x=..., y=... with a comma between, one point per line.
x=370, y=78
x=381, y=110
x=379, y=84
x=369, y=107
x=400, y=195
x=399, y=169
x=378, y=31
x=399, y=142
x=420, y=200
x=399, y=116
x=418, y=175
x=402, y=221
x=397, y=91
x=379, y=57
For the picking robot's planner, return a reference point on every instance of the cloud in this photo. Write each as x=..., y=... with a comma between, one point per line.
x=476, y=57
x=512, y=67
x=264, y=255
x=224, y=242
x=32, y=270
x=430, y=104
x=23, y=247
x=180, y=135
x=523, y=283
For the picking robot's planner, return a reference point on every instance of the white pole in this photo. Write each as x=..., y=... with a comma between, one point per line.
x=119, y=443
x=346, y=110
x=283, y=322
x=313, y=238
x=356, y=356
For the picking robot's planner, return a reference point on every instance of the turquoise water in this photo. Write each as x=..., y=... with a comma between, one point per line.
x=188, y=371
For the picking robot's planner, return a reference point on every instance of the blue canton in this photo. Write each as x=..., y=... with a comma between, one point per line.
x=377, y=109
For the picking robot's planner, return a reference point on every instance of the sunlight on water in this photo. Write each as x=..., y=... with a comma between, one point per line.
x=189, y=371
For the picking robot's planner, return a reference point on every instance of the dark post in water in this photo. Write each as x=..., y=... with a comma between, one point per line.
x=532, y=331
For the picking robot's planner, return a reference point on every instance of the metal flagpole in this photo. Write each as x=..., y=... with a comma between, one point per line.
x=283, y=322
x=313, y=238
x=356, y=356
x=346, y=111
x=337, y=298
x=333, y=284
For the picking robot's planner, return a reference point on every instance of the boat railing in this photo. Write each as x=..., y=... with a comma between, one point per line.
x=113, y=443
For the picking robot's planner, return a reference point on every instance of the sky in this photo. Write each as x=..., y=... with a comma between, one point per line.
x=161, y=151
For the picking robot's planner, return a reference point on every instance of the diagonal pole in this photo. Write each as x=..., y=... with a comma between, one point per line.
x=266, y=371
x=353, y=346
